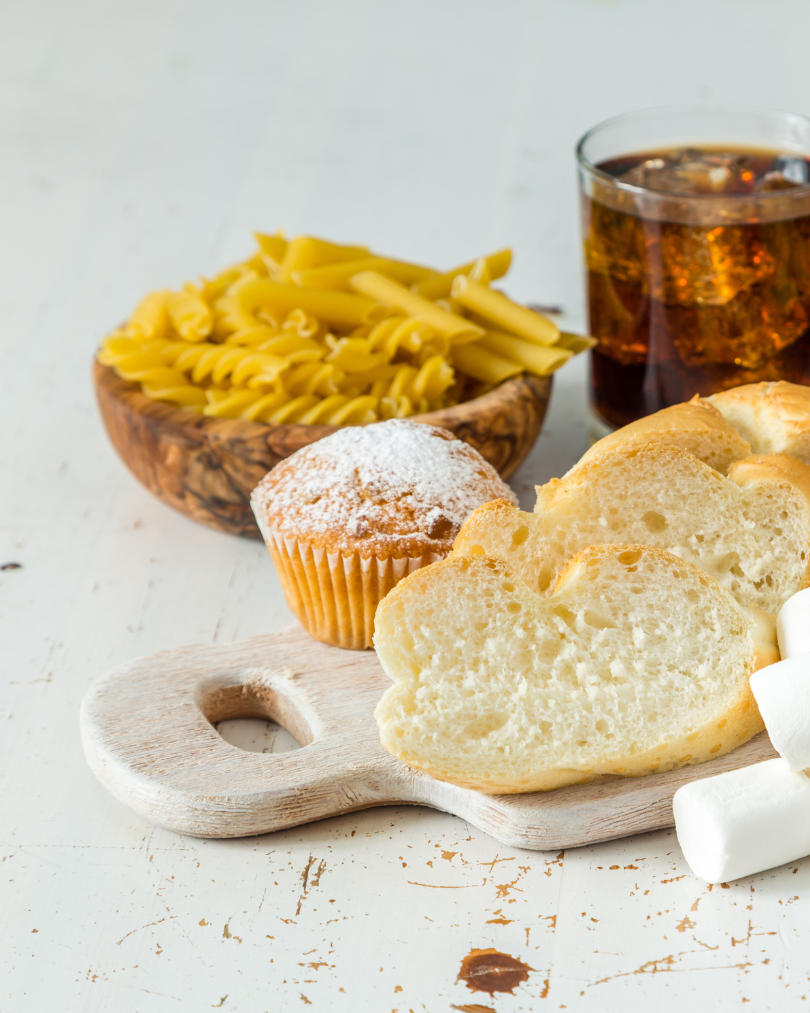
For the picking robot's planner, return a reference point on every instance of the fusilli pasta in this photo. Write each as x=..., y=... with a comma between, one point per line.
x=317, y=333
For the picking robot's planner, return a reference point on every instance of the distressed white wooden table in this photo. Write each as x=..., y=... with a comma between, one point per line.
x=141, y=141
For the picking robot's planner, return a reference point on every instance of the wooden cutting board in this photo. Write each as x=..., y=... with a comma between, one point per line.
x=148, y=735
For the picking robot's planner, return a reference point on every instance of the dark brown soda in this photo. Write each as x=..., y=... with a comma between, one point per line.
x=683, y=309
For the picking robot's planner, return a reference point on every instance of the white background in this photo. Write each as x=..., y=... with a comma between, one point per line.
x=140, y=143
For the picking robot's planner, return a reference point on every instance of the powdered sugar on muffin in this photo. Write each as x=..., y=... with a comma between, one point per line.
x=394, y=488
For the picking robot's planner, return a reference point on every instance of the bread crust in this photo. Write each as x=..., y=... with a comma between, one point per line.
x=695, y=426
x=739, y=722
x=773, y=416
x=499, y=529
x=498, y=514
x=779, y=469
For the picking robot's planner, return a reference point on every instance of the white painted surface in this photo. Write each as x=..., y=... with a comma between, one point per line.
x=140, y=142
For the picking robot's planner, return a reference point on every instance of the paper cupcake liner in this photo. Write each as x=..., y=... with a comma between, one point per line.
x=335, y=596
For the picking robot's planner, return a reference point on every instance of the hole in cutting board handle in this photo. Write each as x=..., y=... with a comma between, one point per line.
x=233, y=703
x=256, y=735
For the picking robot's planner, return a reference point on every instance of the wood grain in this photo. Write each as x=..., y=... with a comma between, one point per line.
x=206, y=468
x=148, y=735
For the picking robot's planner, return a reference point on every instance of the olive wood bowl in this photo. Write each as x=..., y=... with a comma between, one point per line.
x=207, y=467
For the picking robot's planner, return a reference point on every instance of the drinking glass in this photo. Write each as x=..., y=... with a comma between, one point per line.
x=696, y=227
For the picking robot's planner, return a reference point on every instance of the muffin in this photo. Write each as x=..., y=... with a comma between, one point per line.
x=347, y=517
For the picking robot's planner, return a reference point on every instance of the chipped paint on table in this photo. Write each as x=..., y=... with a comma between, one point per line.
x=142, y=141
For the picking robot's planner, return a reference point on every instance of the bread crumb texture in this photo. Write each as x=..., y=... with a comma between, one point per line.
x=750, y=530
x=636, y=662
x=396, y=488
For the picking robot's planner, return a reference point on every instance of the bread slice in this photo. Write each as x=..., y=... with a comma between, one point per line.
x=636, y=662
x=696, y=426
x=750, y=531
x=773, y=417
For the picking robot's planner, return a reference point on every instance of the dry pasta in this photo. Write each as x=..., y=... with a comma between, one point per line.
x=150, y=319
x=483, y=364
x=497, y=309
x=497, y=264
x=534, y=358
x=317, y=333
x=306, y=251
x=338, y=275
x=398, y=298
x=189, y=313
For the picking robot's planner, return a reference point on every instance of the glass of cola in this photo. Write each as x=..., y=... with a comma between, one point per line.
x=696, y=228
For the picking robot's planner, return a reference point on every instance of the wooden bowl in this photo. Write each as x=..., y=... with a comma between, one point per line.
x=206, y=468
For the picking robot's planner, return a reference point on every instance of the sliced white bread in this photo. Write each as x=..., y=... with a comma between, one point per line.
x=750, y=530
x=636, y=662
x=773, y=417
x=696, y=426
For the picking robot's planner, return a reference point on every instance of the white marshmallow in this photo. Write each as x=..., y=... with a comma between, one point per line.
x=793, y=625
x=744, y=821
x=782, y=693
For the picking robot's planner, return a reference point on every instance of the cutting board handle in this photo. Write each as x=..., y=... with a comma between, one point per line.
x=148, y=735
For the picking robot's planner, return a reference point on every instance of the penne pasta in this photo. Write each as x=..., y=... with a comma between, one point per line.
x=307, y=251
x=272, y=249
x=391, y=293
x=534, y=358
x=481, y=364
x=496, y=308
x=576, y=343
x=317, y=333
x=338, y=275
x=214, y=288
x=250, y=294
x=497, y=264
x=481, y=272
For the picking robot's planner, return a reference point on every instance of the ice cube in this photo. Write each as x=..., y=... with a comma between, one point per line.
x=692, y=170
x=773, y=181
x=747, y=332
x=788, y=171
x=796, y=170
x=708, y=266
x=645, y=173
